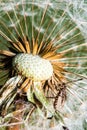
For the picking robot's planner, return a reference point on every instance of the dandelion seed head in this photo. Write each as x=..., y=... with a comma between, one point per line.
x=33, y=67
x=43, y=66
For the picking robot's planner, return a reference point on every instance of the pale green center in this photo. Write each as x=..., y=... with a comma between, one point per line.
x=32, y=66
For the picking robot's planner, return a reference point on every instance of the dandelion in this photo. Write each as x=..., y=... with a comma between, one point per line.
x=42, y=58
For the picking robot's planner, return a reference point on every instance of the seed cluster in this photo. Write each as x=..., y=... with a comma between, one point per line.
x=33, y=66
